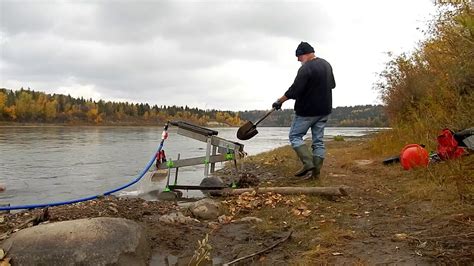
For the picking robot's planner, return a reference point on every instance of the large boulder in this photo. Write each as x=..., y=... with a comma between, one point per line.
x=206, y=209
x=96, y=241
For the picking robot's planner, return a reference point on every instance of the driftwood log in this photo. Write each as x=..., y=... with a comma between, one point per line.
x=323, y=191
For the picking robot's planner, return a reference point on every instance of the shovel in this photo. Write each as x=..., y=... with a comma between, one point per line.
x=248, y=130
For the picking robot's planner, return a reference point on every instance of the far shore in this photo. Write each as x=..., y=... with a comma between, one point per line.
x=52, y=125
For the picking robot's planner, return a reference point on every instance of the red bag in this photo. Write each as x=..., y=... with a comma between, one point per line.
x=448, y=146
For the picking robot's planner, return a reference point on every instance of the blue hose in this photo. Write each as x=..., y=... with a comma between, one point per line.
x=33, y=206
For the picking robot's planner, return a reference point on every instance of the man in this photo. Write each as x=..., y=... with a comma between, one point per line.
x=312, y=90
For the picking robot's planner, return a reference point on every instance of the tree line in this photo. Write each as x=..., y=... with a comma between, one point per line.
x=29, y=106
x=33, y=106
x=347, y=116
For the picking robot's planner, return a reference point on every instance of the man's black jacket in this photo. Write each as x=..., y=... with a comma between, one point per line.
x=312, y=88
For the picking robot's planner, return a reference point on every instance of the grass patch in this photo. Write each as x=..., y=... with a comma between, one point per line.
x=383, y=198
x=451, y=180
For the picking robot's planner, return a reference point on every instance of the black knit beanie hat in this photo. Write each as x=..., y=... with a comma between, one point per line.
x=304, y=48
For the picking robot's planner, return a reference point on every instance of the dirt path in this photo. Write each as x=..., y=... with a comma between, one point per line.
x=390, y=216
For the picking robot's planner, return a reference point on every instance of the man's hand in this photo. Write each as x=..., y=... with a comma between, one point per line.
x=277, y=105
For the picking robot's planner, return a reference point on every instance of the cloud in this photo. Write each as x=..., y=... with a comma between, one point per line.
x=234, y=55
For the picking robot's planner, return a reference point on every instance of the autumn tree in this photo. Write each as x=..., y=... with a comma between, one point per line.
x=24, y=106
x=3, y=102
x=432, y=88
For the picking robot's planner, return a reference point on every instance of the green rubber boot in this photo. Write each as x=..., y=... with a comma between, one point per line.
x=318, y=164
x=306, y=158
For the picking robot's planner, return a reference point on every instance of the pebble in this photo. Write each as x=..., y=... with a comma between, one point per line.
x=113, y=209
x=213, y=225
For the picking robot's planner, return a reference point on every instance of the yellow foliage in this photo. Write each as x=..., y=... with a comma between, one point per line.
x=10, y=112
x=31, y=106
x=50, y=110
x=433, y=88
x=24, y=105
x=3, y=100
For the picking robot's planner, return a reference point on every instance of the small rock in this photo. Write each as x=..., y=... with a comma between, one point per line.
x=249, y=220
x=113, y=209
x=167, y=195
x=167, y=219
x=178, y=217
x=224, y=219
x=213, y=181
x=213, y=225
x=400, y=237
x=206, y=209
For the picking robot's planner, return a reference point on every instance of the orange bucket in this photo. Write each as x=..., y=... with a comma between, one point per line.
x=413, y=155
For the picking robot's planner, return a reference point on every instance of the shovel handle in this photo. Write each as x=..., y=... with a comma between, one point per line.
x=265, y=116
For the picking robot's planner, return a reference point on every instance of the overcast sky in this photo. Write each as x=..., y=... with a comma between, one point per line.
x=228, y=55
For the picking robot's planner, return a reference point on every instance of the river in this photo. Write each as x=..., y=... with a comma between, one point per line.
x=48, y=164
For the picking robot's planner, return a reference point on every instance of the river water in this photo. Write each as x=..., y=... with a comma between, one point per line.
x=49, y=164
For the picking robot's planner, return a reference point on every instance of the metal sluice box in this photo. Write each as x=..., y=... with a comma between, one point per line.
x=217, y=150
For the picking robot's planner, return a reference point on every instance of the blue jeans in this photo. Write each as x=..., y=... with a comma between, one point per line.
x=299, y=128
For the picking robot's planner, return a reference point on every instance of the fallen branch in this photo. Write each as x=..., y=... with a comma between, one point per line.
x=325, y=191
x=259, y=252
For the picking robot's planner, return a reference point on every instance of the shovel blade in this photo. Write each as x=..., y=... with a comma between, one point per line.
x=159, y=174
x=247, y=131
